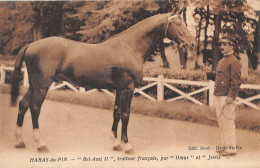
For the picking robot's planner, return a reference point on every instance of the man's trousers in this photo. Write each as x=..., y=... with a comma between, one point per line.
x=226, y=121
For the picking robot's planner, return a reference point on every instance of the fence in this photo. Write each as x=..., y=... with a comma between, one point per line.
x=3, y=70
x=161, y=83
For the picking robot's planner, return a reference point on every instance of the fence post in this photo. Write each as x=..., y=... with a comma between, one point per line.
x=160, y=88
x=3, y=74
x=211, y=90
x=25, y=77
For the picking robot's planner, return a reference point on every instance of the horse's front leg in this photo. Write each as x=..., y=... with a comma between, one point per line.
x=125, y=102
x=163, y=56
x=117, y=143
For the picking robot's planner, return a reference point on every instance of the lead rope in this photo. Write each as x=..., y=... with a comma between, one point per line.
x=222, y=113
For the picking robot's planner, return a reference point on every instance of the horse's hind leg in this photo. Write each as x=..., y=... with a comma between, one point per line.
x=35, y=107
x=23, y=107
x=117, y=144
x=125, y=102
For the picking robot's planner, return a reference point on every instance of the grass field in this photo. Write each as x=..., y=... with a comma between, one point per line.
x=247, y=118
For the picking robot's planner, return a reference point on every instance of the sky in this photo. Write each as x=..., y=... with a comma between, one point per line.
x=255, y=4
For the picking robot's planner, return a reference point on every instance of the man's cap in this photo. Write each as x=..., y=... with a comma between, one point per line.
x=228, y=39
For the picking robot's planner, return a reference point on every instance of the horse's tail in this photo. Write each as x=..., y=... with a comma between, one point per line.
x=16, y=77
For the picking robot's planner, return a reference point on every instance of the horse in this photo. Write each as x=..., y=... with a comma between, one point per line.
x=159, y=48
x=116, y=63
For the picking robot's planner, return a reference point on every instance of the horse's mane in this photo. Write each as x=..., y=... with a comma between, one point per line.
x=140, y=24
x=148, y=22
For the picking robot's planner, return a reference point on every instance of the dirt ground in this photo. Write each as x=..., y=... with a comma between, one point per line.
x=79, y=136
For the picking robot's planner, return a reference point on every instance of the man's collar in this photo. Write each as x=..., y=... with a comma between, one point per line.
x=228, y=54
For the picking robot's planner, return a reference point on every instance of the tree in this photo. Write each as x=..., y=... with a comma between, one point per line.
x=204, y=18
x=215, y=45
x=47, y=19
x=207, y=17
x=73, y=19
x=239, y=24
x=228, y=18
x=254, y=52
x=200, y=12
x=105, y=19
x=16, y=25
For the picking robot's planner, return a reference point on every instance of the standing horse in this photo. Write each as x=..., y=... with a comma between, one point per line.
x=116, y=64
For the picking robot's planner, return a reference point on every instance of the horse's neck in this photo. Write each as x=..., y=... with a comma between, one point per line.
x=141, y=37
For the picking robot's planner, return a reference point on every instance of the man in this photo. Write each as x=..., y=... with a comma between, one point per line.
x=227, y=83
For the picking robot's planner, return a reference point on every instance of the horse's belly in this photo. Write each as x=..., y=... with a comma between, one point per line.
x=95, y=79
x=108, y=77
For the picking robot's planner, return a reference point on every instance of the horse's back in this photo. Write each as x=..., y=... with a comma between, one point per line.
x=50, y=44
x=63, y=59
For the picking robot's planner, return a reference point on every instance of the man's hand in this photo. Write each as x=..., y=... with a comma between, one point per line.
x=229, y=100
x=204, y=67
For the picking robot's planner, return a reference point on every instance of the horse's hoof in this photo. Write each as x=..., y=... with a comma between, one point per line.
x=43, y=149
x=20, y=145
x=130, y=152
x=118, y=148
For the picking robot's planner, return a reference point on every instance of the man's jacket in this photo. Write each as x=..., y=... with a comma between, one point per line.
x=228, y=77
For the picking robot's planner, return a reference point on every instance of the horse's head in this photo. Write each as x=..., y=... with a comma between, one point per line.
x=177, y=31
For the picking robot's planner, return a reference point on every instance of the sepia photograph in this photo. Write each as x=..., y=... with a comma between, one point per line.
x=129, y=84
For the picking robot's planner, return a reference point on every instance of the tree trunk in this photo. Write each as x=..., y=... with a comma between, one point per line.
x=206, y=29
x=255, y=53
x=256, y=37
x=199, y=31
x=240, y=31
x=182, y=52
x=36, y=34
x=61, y=31
x=215, y=49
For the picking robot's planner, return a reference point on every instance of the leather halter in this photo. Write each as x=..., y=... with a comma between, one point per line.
x=169, y=18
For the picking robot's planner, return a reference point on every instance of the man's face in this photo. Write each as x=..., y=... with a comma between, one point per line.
x=226, y=48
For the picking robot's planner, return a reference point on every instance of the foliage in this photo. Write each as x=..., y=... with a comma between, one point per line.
x=96, y=21
x=236, y=17
x=16, y=24
x=47, y=18
x=253, y=78
x=177, y=74
x=88, y=21
x=103, y=20
x=73, y=19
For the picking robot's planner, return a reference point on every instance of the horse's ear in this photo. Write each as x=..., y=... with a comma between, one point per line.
x=176, y=11
x=180, y=11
